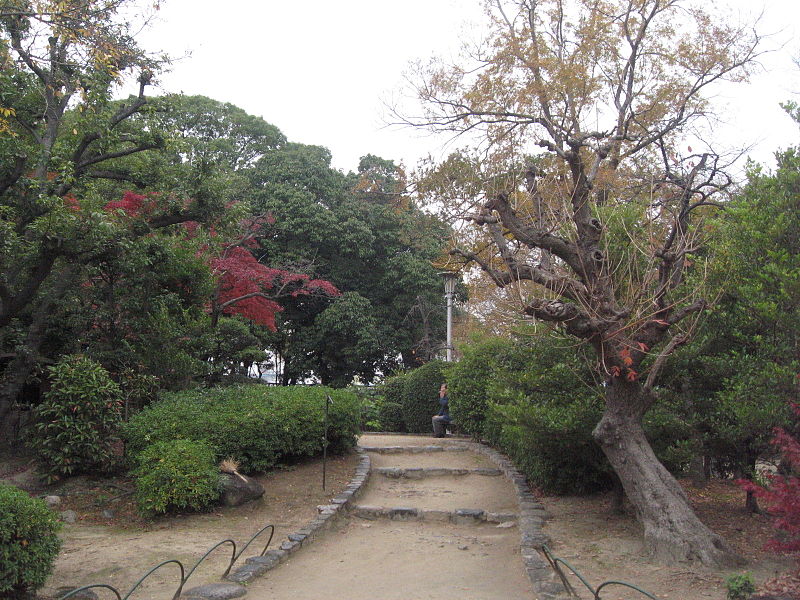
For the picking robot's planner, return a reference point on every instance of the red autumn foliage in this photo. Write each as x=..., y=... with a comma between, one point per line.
x=71, y=202
x=782, y=494
x=133, y=205
x=248, y=288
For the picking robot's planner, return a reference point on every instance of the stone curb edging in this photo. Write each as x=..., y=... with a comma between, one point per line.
x=420, y=472
x=458, y=447
x=255, y=566
x=458, y=516
x=532, y=515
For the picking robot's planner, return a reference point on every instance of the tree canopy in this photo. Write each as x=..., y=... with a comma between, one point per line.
x=586, y=198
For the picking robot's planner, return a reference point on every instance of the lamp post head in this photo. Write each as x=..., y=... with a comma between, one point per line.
x=450, y=280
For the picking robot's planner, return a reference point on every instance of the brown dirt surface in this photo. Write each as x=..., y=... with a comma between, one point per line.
x=604, y=546
x=120, y=550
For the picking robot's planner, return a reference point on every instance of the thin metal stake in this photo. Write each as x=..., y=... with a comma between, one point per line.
x=325, y=439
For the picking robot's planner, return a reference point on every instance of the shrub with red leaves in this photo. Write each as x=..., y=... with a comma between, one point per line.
x=782, y=494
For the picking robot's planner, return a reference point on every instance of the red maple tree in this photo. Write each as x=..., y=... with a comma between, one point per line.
x=251, y=289
x=245, y=286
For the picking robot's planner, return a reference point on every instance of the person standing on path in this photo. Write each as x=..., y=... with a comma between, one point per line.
x=441, y=419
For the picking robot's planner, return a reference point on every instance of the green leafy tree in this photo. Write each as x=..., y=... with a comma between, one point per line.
x=62, y=136
x=361, y=233
x=735, y=381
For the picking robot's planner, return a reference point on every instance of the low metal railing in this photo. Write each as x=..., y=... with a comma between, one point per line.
x=184, y=575
x=557, y=564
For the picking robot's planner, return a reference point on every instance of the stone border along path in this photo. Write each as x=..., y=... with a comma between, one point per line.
x=545, y=582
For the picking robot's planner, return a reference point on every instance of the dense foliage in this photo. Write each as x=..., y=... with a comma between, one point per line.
x=29, y=542
x=421, y=396
x=731, y=387
x=391, y=408
x=172, y=236
x=534, y=399
x=256, y=425
x=78, y=421
x=174, y=475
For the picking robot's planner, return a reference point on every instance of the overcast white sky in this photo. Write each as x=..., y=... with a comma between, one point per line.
x=321, y=70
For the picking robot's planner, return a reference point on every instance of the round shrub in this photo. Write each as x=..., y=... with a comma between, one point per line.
x=176, y=475
x=393, y=389
x=29, y=542
x=390, y=417
x=420, y=396
x=390, y=414
x=77, y=422
x=468, y=379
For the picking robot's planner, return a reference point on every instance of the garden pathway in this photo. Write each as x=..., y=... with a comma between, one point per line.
x=430, y=524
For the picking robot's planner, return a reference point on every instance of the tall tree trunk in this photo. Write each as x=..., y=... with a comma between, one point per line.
x=672, y=531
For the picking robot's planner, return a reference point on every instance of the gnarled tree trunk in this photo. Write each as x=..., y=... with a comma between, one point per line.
x=672, y=531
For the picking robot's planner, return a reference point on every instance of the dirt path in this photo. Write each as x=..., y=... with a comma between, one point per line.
x=376, y=553
x=120, y=550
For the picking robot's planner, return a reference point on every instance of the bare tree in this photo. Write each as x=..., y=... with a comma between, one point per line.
x=586, y=206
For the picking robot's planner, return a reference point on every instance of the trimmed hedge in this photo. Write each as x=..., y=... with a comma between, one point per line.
x=390, y=414
x=420, y=396
x=259, y=426
x=29, y=542
x=536, y=400
x=552, y=444
x=176, y=475
x=469, y=379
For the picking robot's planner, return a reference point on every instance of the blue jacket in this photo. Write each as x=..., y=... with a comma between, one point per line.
x=444, y=407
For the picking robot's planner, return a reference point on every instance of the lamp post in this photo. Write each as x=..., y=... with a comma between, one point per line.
x=450, y=279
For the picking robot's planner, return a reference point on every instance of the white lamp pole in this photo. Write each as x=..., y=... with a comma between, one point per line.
x=450, y=279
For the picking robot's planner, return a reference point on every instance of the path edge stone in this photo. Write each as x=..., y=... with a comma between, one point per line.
x=547, y=584
x=255, y=566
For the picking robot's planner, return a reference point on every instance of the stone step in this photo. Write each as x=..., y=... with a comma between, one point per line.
x=420, y=472
x=413, y=449
x=459, y=516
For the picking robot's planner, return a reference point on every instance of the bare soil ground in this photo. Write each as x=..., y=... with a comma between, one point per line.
x=366, y=559
x=604, y=546
x=120, y=550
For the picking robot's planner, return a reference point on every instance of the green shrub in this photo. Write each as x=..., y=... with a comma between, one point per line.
x=393, y=389
x=468, y=380
x=77, y=422
x=552, y=444
x=420, y=396
x=29, y=542
x=371, y=403
x=739, y=586
x=257, y=425
x=390, y=414
x=391, y=417
x=176, y=475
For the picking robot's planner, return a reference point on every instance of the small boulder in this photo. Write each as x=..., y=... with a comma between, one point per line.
x=52, y=501
x=237, y=489
x=69, y=516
